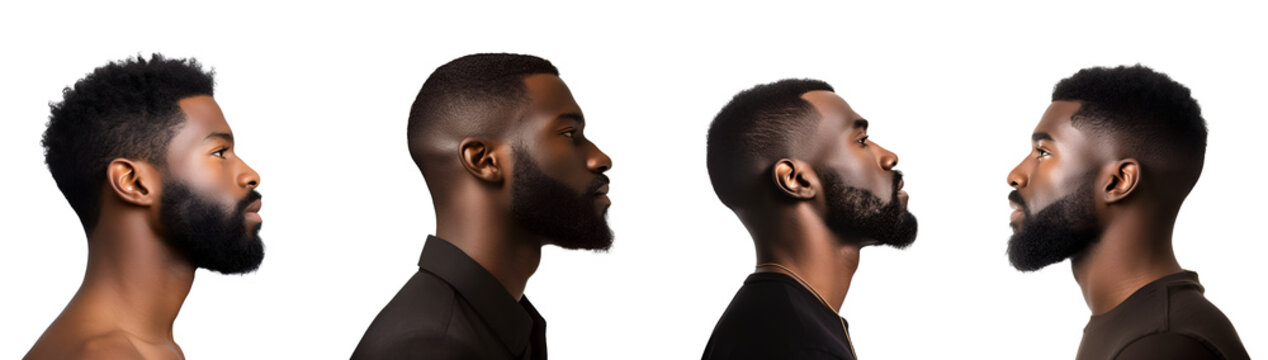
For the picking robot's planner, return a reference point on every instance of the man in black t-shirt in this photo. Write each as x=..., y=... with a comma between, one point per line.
x=794, y=162
x=1112, y=160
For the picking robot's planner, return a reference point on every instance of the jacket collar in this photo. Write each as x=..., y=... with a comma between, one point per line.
x=511, y=321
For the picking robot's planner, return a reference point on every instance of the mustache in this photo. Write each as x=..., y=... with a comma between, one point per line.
x=1015, y=197
x=247, y=200
x=898, y=177
x=597, y=183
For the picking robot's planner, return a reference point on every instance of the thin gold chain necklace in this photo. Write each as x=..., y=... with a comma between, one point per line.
x=848, y=341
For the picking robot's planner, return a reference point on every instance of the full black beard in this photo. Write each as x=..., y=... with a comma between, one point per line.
x=550, y=208
x=207, y=235
x=1059, y=231
x=857, y=212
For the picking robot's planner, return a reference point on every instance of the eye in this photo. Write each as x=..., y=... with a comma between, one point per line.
x=220, y=153
x=570, y=133
x=1041, y=153
x=862, y=140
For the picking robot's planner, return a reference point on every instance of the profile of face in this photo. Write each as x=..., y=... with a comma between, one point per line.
x=559, y=190
x=861, y=190
x=1054, y=210
x=209, y=208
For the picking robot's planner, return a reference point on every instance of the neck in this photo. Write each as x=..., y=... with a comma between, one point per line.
x=133, y=279
x=800, y=241
x=500, y=247
x=1131, y=253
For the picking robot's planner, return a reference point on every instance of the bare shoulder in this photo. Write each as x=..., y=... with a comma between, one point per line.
x=106, y=346
x=80, y=334
x=112, y=345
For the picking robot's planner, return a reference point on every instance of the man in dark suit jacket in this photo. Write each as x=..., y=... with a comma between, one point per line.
x=500, y=141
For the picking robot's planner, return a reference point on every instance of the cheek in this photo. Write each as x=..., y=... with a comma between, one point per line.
x=572, y=171
x=563, y=164
x=858, y=170
x=210, y=177
x=1051, y=182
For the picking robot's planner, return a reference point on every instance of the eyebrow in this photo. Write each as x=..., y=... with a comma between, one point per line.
x=572, y=116
x=1041, y=136
x=860, y=123
x=224, y=136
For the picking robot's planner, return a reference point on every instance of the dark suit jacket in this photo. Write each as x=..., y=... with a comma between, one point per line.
x=453, y=309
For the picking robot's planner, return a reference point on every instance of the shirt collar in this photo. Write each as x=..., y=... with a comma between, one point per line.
x=511, y=321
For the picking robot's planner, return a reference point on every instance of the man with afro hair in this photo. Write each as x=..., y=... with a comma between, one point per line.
x=146, y=159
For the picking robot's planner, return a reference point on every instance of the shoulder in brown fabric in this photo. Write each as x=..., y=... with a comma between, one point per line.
x=1166, y=319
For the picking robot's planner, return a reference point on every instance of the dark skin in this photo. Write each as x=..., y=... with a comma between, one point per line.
x=795, y=234
x=475, y=215
x=1136, y=222
x=135, y=283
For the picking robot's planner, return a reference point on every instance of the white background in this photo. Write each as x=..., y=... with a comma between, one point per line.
x=318, y=95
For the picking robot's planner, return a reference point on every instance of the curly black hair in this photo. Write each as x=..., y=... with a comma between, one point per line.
x=756, y=128
x=1152, y=117
x=125, y=109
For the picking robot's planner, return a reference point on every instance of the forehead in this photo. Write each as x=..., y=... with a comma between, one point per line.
x=835, y=119
x=833, y=110
x=202, y=118
x=549, y=96
x=1056, y=122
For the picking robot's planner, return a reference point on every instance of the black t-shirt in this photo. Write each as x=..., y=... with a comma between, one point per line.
x=1167, y=319
x=774, y=317
x=454, y=309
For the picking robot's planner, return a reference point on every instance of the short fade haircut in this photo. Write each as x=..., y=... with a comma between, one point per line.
x=755, y=129
x=125, y=109
x=1149, y=116
x=469, y=97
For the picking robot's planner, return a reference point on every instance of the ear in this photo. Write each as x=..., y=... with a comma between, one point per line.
x=794, y=178
x=1123, y=179
x=479, y=160
x=132, y=181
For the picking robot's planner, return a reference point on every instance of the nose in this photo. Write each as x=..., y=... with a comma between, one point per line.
x=598, y=162
x=248, y=178
x=888, y=159
x=1016, y=178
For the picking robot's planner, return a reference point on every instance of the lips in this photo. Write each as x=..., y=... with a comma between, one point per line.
x=1016, y=203
x=602, y=190
x=252, y=211
x=255, y=206
x=898, y=180
x=899, y=194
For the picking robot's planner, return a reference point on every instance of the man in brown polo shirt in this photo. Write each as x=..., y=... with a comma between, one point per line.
x=1112, y=160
